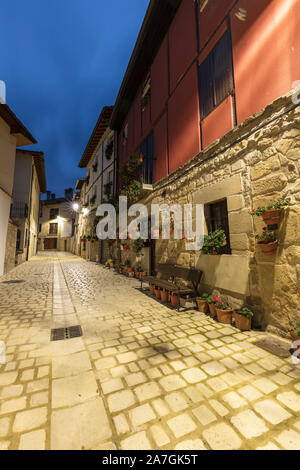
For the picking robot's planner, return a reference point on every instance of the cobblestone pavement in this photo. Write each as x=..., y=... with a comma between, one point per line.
x=142, y=376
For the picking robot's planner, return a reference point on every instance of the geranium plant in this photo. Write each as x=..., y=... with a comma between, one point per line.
x=246, y=312
x=214, y=242
x=138, y=245
x=272, y=207
x=267, y=236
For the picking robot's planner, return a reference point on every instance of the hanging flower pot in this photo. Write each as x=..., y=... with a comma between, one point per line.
x=269, y=249
x=271, y=217
x=164, y=295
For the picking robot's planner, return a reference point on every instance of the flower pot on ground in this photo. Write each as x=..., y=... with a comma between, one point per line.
x=212, y=302
x=157, y=292
x=151, y=288
x=174, y=299
x=224, y=313
x=164, y=295
x=202, y=303
x=243, y=318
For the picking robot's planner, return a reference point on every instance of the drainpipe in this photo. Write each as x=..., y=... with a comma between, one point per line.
x=29, y=211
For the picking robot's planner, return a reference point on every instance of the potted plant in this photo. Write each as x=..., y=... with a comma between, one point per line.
x=243, y=318
x=295, y=334
x=212, y=302
x=138, y=245
x=224, y=313
x=174, y=299
x=164, y=295
x=151, y=287
x=157, y=292
x=127, y=265
x=214, y=242
x=267, y=242
x=271, y=213
x=202, y=303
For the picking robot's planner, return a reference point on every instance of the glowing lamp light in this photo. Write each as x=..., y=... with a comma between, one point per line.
x=75, y=206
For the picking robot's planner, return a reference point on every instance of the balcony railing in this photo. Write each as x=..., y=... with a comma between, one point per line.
x=19, y=209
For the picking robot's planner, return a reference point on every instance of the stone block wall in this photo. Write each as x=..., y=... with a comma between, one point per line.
x=10, y=251
x=255, y=164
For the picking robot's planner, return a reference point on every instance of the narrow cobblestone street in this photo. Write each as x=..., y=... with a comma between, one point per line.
x=142, y=376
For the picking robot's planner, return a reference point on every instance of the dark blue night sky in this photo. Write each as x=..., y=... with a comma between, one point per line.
x=62, y=61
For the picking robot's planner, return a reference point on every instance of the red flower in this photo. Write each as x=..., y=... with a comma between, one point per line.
x=214, y=249
x=265, y=228
x=216, y=299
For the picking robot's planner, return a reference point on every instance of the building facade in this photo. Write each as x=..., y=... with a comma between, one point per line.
x=213, y=108
x=29, y=183
x=99, y=186
x=13, y=134
x=56, y=223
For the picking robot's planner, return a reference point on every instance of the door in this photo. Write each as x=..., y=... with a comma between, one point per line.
x=50, y=244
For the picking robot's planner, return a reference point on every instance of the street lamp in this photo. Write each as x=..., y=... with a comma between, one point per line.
x=75, y=206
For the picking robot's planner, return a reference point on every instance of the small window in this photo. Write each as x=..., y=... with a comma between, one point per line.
x=54, y=213
x=216, y=216
x=53, y=229
x=215, y=76
x=146, y=94
x=147, y=150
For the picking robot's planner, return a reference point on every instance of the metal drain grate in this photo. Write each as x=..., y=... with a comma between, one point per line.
x=13, y=281
x=58, y=334
x=275, y=346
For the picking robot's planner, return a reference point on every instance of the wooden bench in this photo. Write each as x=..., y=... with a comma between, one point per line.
x=167, y=274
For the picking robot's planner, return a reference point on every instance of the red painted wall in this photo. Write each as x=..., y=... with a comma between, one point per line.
x=217, y=123
x=183, y=41
x=211, y=18
x=159, y=81
x=160, y=148
x=266, y=53
x=184, y=129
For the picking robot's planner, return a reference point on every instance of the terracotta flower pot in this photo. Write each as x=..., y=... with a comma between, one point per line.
x=111, y=265
x=129, y=270
x=169, y=296
x=224, y=316
x=241, y=322
x=143, y=274
x=151, y=288
x=202, y=305
x=212, y=310
x=269, y=249
x=164, y=295
x=271, y=217
x=157, y=293
x=174, y=300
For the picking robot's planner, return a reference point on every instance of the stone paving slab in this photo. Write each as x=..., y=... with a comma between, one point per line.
x=143, y=376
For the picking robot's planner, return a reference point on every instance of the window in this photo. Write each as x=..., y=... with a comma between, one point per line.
x=215, y=76
x=54, y=213
x=216, y=216
x=18, y=244
x=146, y=94
x=147, y=150
x=53, y=229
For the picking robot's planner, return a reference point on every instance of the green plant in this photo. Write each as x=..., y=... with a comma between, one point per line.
x=211, y=299
x=138, y=245
x=203, y=296
x=213, y=242
x=246, y=312
x=267, y=236
x=223, y=306
x=132, y=190
x=127, y=263
x=272, y=207
x=297, y=330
